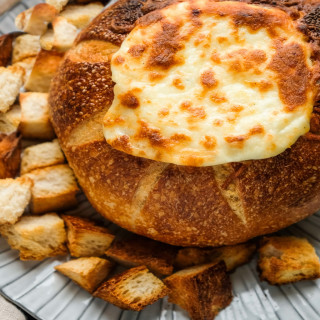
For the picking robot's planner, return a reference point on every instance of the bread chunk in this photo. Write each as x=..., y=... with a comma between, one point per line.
x=41, y=155
x=10, y=120
x=45, y=67
x=136, y=251
x=6, y=47
x=233, y=256
x=35, y=122
x=15, y=195
x=25, y=46
x=64, y=34
x=54, y=188
x=287, y=259
x=10, y=149
x=11, y=80
x=133, y=289
x=27, y=65
x=85, y=238
x=37, y=237
x=81, y=15
x=201, y=290
x=36, y=19
x=58, y=4
x=87, y=272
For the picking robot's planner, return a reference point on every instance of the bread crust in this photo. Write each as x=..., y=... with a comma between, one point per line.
x=180, y=205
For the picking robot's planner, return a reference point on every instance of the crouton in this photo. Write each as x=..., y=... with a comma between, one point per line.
x=6, y=47
x=81, y=15
x=25, y=46
x=10, y=150
x=54, y=188
x=27, y=65
x=9, y=121
x=87, y=272
x=41, y=155
x=35, y=122
x=64, y=34
x=136, y=251
x=15, y=195
x=233, y=256
x=37, y=237
x=133, y=289
x=36, y=19
x=201, y=290
x=11, y=80
x=58, y=4
x=45, y=67
x=47, y=40
x=85, y=238
x=287, y=259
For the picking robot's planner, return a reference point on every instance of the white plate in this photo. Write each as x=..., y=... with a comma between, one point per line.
x=47, y=295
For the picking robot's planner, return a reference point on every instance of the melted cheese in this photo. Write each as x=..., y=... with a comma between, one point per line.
x=203, y=83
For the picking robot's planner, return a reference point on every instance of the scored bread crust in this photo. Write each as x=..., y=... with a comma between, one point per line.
x=180, y=205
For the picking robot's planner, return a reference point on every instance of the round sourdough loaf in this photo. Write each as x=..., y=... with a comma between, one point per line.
x=181, y=205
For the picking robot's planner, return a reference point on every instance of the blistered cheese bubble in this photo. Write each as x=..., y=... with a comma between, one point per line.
x=202, y=83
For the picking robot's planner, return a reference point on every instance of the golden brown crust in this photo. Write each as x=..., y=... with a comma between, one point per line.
x=176, y=204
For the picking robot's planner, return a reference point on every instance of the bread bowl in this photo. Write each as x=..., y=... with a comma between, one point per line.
x=182, y=205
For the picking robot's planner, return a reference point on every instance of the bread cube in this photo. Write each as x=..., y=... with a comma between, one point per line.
x=54, y=188
x=45, y=67
x=133, y=289
x=64, y=34
x=37, y=237
x=35, y=122
x=47, y=40
x=81, y=15
x=58, y=4
x=233, y=256
x=36, y=19
x=6, y=47
x=86, y=272
x=201, y=290
x=85, y=238
x=41, y=155
x=25, y=46
x=27, y=65
x=136, y=251
x=11, y=80
x=287, y=259
x=15, y=195
x=10, y=150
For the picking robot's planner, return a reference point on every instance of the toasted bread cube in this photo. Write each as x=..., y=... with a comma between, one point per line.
x=41, y=155
x=137, y=251
x=233, y=256
x=47, y=40
x=11, y=80
x=45, y=67
x=133, y=289
x=85, y=238
x=287, y=259
x=9, y=121
x=81, y=15
x=10, y=150
x=54, y=188
x=58, y=4
x=25, y=46
x=15, y=195
x=64, y=34
x=87, y=272
x=37, y=237
x=201, y=290
x=27, y=65
x=36, y=19
x=35, y=122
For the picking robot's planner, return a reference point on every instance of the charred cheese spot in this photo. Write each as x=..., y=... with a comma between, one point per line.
x=130, y=100
x=119, y=60
x=206, y=82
